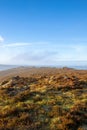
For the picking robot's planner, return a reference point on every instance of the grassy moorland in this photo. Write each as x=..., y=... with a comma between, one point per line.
x=47, y=101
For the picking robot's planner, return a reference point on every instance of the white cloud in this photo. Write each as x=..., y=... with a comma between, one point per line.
x=1, y=39
x=16, y=44
x=41, y=53
x=21, y=44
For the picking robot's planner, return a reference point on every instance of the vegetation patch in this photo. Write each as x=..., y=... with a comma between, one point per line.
x=50, y=102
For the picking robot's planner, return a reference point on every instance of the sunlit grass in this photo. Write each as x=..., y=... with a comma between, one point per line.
x=43, y=108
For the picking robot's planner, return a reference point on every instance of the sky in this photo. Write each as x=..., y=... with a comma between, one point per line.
x=43, y=32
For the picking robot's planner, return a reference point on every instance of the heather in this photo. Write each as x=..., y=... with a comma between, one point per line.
x=47, y=101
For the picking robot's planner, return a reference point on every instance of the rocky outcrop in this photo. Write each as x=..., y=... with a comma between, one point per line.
x=15, y=85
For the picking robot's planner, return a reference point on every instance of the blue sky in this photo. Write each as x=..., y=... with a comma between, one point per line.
x=43, y=32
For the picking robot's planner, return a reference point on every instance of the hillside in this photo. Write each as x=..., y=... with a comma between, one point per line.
x=43, y=99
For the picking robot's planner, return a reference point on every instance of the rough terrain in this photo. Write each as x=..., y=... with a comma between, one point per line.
x=43, y=99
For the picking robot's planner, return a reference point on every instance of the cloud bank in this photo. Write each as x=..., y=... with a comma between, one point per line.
x=42, y=53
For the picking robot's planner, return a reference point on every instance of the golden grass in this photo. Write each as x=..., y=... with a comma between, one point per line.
x=42, y=106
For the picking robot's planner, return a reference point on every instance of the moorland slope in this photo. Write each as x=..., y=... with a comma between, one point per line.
x=43, y=99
